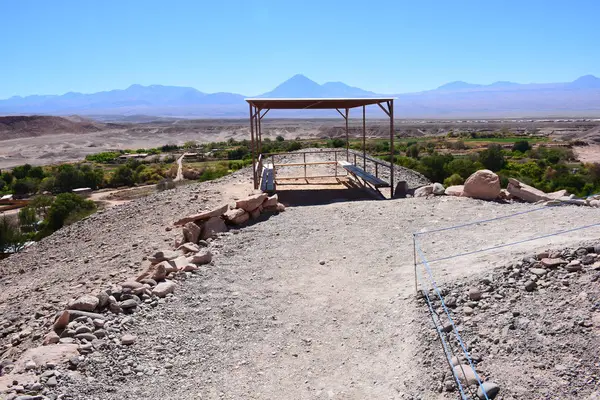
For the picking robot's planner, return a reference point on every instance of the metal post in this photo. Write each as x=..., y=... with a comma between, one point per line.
x=252, y=148
x=347, y=139
x=391, y=107
x=354, y=158
x=273, y=164
x=376, y=170
x=415, y=261
x=364, y=142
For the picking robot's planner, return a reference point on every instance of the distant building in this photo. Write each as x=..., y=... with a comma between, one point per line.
x=125, y=157
x=83, y=192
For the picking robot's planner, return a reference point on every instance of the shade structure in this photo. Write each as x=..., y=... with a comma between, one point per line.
x=259, y=107
x=315, y=103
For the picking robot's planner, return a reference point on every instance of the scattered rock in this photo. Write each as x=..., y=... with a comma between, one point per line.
x=438, y=189
x=526, y=192
x=163, y=255
x=456, y=190
x=552, y=262
x=200, y=258
x=212, y=227
x=189, y=247
x=156, y=272
x=424, y=191
x=530, y=286
x=252, y=202
x=491, y=390
x=128, y=339
x=236, y=216
x=271, y=201
x=51, y=338
x=538, y=271
x=465, y=374
x=191, y=232
x=84, y=303
x=164, y=288
x=475, y=294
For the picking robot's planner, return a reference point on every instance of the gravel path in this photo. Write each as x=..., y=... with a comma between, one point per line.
x=316, y=302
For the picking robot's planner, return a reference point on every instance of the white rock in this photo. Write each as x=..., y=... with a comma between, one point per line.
x=164, y=288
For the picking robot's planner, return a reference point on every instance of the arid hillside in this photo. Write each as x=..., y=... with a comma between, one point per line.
x=23, y=126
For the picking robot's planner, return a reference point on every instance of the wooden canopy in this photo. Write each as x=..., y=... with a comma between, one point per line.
x=315, y=103
x=259, y=107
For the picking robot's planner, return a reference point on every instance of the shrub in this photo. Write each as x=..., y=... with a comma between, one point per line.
x=413, y=151
x=104, y=157
x=279, y=138
x=454, y=179
x=521, y=145
x=492, y=158
x=25, y=186
x=337, y=143
x=463, y=167
x=11, y=237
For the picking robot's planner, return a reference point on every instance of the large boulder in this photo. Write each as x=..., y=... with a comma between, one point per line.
x=237, y=216
x=482, y=184
x=251, y=203
x=456, y=190
x=203, y=216
x=56, y=354
x=526, y=192
x=424, y=191
x=212, y=227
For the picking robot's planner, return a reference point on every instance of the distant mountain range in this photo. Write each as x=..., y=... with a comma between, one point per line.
x=452, y=100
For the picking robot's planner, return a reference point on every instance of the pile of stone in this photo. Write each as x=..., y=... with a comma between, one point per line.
x=485, y=185
x=208, y=224
x=537, y=312
x=99, y=321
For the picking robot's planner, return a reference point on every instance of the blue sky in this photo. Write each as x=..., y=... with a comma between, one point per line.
x=248, y=47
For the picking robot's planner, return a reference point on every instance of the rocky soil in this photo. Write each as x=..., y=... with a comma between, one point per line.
x=532, y=326
x=315, y=302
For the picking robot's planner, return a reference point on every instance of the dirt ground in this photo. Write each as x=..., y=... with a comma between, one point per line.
x=316, y=302
x=588, y=154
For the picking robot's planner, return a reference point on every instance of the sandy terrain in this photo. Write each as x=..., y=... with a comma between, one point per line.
x=588, y=154
x=52, y=146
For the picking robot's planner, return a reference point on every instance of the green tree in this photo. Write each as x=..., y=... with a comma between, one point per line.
x=41, y=204
x=521, y=145
x=20, y=172
x=493, y=158
x=68, y=208
x=280, y=138
x=36, y=173
x=122, y=176
x=25, y=186
x=3, y=184
x=190, y=144
x=7, y=177
x=434, y=166
x=28, y=219
x=67, y=178
x=463, y=167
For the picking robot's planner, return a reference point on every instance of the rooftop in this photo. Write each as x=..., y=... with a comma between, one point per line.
x=315, y=103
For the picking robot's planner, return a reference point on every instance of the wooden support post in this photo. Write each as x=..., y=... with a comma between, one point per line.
x=304, y=154
x=376, y=170
x=273, y=165
x=252, y=148
x=364, y=142
x=347, y=138
x=336, y=164
x=259, y=130
x=391, y=108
